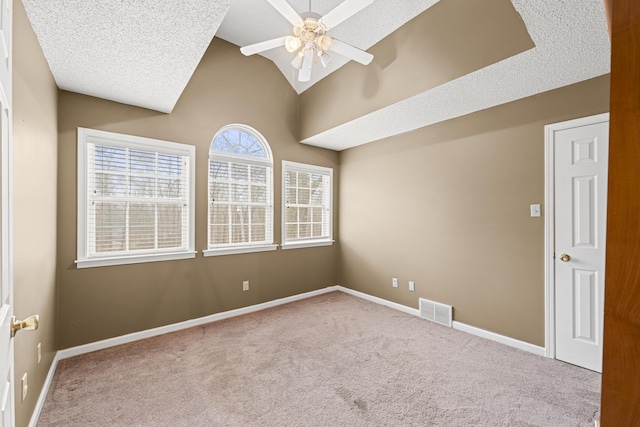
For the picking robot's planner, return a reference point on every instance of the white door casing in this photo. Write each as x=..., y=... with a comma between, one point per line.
x=7, y=416
x=576, y=230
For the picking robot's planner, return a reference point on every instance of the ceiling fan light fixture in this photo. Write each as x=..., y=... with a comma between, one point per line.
x=309, y=38
x=292, y=44
x=324, y=57
x=324, y=42
x=297, y=60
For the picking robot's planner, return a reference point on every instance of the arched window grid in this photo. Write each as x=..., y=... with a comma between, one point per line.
x=240, y=217
x=241, y=142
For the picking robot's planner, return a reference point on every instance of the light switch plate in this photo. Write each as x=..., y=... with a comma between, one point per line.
x=412, y=286
x=535, y=211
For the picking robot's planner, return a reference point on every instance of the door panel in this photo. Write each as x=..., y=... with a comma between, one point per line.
x=6, y=285
x=584, y=204
x=6, y=300
x=5, y=45
x=581, y=157
x=585, y=285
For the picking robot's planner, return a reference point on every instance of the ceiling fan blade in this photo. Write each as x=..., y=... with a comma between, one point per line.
x=305, y=72
x=262, y=46
x=343, y=11
x=287, y=11
x=351, y=52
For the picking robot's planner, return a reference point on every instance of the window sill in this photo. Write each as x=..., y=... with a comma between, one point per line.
x=134, y=259
x=307, y=244
x=239, y=250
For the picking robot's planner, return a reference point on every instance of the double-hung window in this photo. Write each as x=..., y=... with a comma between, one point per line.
x=240, y=192
x=307, y=205
x=135, y=199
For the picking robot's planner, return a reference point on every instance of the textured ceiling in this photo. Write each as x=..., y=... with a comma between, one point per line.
x=144, y=52
x=572, y=45
x=139, y=52
x=362, y=30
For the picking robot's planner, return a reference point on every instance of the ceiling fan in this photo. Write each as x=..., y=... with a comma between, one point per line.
x=310, y=37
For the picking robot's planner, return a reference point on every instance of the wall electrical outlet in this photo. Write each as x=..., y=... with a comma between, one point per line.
x=412, y=286
x=25, y=386
x=39, y=352
x=394, y=282
x=245, y=285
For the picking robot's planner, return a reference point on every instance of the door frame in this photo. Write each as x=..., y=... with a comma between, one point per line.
x=6, y=203
x=6, y=230
x=549, y=223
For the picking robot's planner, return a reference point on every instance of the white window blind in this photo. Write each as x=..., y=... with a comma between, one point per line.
x=240, y=192
x=307, y=205
x=135, y=201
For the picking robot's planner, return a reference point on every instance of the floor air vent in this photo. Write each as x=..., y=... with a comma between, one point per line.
x=436, y=312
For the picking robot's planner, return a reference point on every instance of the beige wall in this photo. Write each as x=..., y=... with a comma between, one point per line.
x=447, y=206
x=445, y=42
x=227, y=87
x=35, y=153
x=460, y=229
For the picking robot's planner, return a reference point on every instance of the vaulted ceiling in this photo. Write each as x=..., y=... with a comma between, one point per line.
x=143, y=53
x=251, y=21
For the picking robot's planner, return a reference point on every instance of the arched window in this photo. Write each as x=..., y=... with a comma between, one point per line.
x=240, y=192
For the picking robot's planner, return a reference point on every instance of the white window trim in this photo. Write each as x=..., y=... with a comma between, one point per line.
x=114, y=139
x=243, y=249
x=299, y=244
x=307, y=243
x=134, y=259
x=230, y=157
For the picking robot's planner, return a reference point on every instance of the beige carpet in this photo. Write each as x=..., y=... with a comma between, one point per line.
x=332, y=360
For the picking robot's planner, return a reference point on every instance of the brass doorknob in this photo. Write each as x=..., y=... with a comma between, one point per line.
x=565, y=258
x=28, y=324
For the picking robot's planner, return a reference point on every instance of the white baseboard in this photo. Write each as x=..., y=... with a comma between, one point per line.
x=45, y=390
x=381, y=301
x=511, y=342
x=136, y=336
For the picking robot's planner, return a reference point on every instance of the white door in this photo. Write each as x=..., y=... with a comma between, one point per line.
x=581, y=164
x=6, y=285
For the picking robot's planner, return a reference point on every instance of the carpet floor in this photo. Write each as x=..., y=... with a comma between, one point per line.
x=331, y=360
